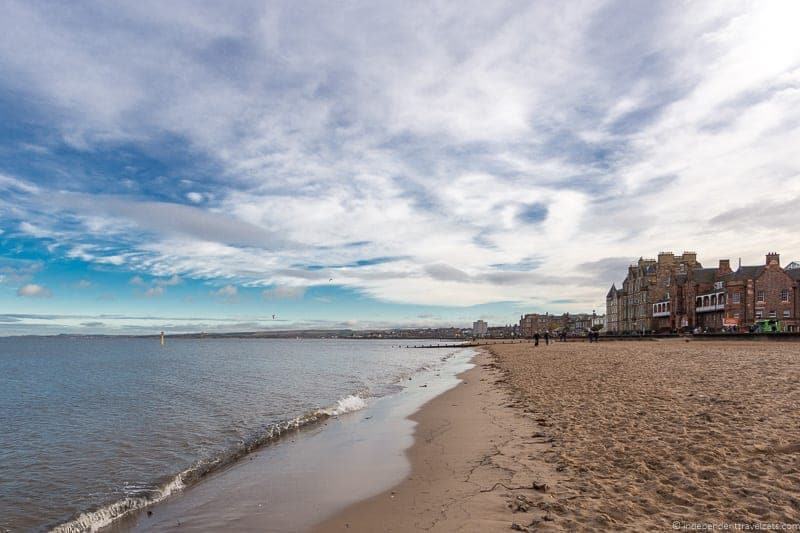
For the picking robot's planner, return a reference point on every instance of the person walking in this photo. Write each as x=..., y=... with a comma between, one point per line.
x=546, y=338
x=536, y=339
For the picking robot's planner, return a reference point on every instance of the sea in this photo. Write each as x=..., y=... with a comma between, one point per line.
x=95, y=428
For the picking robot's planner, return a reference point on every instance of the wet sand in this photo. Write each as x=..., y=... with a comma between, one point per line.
x=311, y=473
x=474, y=464
x=658, y=435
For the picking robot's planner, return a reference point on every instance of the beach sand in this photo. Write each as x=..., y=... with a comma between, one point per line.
x=657, y=435
x=470, y=451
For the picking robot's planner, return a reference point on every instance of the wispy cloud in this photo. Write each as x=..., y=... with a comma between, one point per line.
x=154, y=292
x=228, y=294
x=32, y=290
x=423, y=153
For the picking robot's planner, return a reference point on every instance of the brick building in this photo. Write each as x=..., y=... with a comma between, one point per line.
x=676, y=293
x=539, y=323
x=650, y=299
x=766, y=292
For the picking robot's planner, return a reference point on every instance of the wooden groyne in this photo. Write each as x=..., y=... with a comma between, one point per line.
x=465, y=344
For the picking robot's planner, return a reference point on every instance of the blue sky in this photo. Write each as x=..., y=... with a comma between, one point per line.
x=197, y=166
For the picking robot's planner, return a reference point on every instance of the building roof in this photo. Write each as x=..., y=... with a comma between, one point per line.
x=612, y=291
x=794, y=273
x=748, y=272
x=704, y=275
x=793, y=265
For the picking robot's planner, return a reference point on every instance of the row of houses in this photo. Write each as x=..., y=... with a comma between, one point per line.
x=571, y=323
x=676, y=293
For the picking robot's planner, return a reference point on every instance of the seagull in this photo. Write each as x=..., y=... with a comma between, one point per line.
x=273, y=317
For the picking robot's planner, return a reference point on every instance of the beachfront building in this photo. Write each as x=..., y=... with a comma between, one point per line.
x=648, y=300
x=479, y=328
x=613, y=307
x=539, y=323
x=680, y=294
x=756, y=294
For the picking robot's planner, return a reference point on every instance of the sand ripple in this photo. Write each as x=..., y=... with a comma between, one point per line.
x=648, y=433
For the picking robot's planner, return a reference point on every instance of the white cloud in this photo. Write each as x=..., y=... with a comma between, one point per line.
x=283, y=293
x=33, y=290
x=228, y=294
x=154, y=292
x=336, y=138
x=194, y=197
x=170, y=282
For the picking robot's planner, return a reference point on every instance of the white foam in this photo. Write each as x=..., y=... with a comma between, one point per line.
x=96, y=520
x=347, y=405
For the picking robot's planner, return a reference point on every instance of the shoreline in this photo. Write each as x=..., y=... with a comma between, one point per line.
x=297, y=481
x=573, y=436
x=477, y=459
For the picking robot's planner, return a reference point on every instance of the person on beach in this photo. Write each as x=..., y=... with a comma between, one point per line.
x=546, y=338
x=536, y=339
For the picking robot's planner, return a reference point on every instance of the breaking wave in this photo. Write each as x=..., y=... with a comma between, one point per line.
x=94, y=520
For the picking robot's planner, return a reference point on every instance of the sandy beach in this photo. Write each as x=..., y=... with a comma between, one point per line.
x=661, y=435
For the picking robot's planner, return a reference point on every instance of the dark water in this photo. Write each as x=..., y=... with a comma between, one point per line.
x=85, y=423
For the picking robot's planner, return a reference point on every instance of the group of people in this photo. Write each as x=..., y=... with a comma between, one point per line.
x=593, y=336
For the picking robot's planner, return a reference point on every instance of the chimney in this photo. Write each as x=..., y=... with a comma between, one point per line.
x=724, y=266
x=773, y=257
x=689, y=257
x=666, y=258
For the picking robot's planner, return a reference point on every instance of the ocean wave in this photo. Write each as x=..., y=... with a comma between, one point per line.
x=100, y=518
x=347, y=405
x=94, y=520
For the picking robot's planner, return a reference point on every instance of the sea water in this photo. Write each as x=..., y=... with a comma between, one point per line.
x=91, y=428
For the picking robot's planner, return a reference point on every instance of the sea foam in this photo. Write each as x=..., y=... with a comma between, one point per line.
x=347, y=405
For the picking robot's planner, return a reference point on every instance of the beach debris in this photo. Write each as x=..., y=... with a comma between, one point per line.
x=520, y=504
x=517, y=527
x=424, y=385
x=541, y=487
x=791, y=448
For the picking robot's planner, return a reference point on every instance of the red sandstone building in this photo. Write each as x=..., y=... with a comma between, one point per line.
x=676, y=293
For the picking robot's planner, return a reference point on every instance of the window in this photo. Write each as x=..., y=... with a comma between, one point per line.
x=699, y=302
x=787, y=314
x=735, y=315
x=737, y=297
x=759, y=314
x=760, y=296
x=785, y=295
x=773, y=314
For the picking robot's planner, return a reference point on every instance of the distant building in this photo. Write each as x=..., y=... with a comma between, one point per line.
x=598, y=322
x=539, y=323
x=502, y=332
x=480, y=328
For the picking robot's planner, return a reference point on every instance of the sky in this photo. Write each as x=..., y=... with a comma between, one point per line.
x=207, y=166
